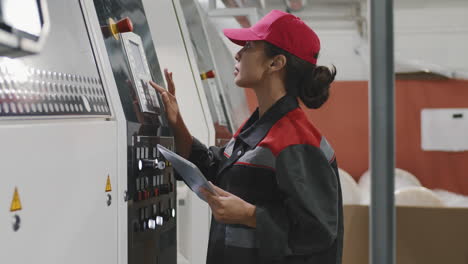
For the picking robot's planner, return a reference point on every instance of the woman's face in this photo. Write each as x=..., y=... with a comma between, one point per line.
x=252, y=65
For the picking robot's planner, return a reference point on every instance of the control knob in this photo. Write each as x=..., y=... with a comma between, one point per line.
x=148, y=164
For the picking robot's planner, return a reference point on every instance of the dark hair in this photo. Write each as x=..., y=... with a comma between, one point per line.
x=308, y=81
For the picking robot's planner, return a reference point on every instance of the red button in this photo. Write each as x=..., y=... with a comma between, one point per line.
x=125, y=25
x=210, y=74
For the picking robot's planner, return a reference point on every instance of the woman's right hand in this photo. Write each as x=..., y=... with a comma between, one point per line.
x=182, y=137
x=169, y=99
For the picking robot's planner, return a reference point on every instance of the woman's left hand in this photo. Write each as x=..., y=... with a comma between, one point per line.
x=230, y=209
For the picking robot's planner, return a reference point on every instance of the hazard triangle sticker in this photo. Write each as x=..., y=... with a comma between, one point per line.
x=16, y=202
x=108, y=184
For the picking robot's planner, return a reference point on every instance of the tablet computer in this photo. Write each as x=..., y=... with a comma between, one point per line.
x=189, y=172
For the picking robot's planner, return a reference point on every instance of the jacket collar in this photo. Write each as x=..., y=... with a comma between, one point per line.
x=255, y=129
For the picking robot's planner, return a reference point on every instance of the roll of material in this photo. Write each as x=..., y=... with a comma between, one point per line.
x=403, y=179
x=349, y=188
x=452, y=199
x=417, y=196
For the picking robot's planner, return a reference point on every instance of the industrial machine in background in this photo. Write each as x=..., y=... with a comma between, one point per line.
x=227, y=102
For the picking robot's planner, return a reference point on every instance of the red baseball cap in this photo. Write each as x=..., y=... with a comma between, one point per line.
x=283, y=30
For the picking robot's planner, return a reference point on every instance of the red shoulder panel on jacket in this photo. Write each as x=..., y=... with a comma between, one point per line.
x=294, y=128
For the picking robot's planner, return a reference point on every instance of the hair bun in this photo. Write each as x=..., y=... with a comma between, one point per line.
x=314, y=88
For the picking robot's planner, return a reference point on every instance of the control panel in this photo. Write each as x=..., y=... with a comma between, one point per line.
x=151, y=196
x=139, y=69
x=152, y=208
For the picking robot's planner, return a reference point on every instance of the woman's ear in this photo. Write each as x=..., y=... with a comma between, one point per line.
x=278, y=63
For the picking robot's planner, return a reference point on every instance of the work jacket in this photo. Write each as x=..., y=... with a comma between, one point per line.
x=283, y=165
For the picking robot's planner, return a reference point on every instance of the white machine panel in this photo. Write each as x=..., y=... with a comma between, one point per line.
x=59, y=150
x=60, y=170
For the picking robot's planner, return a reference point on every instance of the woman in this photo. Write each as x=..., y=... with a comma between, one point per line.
x=279, y=192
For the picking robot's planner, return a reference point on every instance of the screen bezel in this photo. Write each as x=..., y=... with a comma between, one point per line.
x=18, y=32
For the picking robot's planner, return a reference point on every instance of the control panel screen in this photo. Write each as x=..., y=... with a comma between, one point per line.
x=135, y=50
x=22, y=15
x=147, y=96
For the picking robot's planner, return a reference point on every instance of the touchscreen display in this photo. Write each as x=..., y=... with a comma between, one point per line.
x=23, y=15
x=135, y=50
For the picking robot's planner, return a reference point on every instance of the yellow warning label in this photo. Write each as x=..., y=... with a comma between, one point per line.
x=16, y=203
x=108, y=184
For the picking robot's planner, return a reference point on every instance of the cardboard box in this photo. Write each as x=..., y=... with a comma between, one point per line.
x=424, y=235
